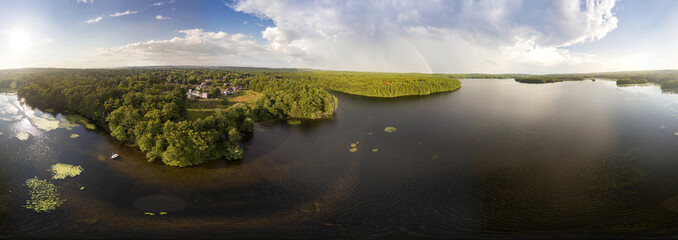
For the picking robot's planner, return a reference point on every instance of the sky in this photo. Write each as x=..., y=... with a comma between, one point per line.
x=436, y=36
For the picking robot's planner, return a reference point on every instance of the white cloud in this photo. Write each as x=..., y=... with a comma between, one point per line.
x=85, y=1
x=400, y=36
x=95, y=20
x=119, y=14
x=162, y=3
x=443, y=36
x=196, y=47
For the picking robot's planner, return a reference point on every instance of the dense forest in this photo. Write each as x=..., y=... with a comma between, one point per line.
x=631, y=81
x=147, y=107
x=137, y=108
x=548, y=79
x=634, y=77
x=656, y=76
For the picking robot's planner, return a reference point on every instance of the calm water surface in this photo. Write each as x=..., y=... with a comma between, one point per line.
x=495, y=158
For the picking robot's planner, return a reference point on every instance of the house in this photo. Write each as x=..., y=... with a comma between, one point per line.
x=228, y=91
x=195, y=93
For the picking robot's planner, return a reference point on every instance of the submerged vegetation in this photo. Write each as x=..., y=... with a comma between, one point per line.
x=43, y=195
x=150, y=107
x=62, y=170
x=293, y=121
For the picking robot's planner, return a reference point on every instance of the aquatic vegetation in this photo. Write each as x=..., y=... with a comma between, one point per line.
x=64, y=123
x=390, y=129
x=0, y=133
x=293, y=121
x=43, y=195
x=45, y=123
x=675, y=133
x=82, y=188
x=163, y=213
x=353, y=144
x=150, y=213
x=11, y=118
x=375, y=150
x=75, y=135
x=353, y=150
x=74, y=118
x=23, y=136
x=61, y=170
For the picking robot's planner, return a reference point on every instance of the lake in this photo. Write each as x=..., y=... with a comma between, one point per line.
x=495, y=158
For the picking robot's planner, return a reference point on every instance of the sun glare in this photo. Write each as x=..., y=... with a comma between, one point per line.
x=19, y=39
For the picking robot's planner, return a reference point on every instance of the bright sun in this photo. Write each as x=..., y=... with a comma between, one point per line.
x=19, y=39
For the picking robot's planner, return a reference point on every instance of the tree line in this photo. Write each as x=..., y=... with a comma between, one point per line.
x=148, y=107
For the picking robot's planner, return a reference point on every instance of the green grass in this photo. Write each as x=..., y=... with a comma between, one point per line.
x=203, y=108
x=244, y=96
x=206, y=107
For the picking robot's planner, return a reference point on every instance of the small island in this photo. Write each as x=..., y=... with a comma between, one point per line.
x=548, y=79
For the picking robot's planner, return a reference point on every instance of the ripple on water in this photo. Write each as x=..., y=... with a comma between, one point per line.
x=671, y=204
x=160, y=203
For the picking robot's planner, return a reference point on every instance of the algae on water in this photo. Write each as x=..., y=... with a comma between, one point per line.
x=61, y=171
x=390, y=129
x=75, y=135
x=43, y=195
x=81, y=120
x=23, y=136
x=353, y=150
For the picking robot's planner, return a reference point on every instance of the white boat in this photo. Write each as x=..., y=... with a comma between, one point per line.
x=114, y=156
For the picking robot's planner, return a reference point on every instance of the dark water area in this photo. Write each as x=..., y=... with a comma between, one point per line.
x=494, y=159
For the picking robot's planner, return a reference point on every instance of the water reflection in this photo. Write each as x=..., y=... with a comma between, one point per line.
x=495, y=158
